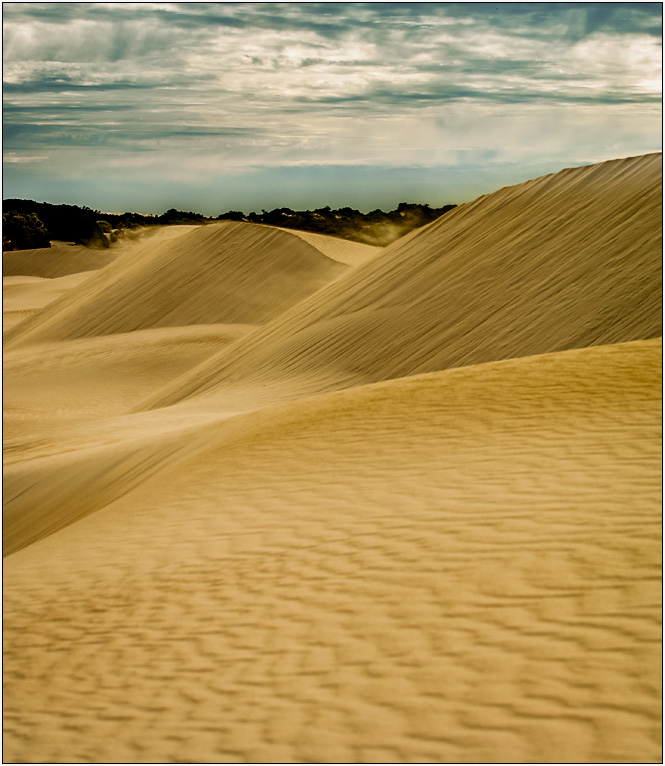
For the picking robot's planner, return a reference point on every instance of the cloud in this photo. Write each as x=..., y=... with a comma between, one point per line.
x=14, y=157
x=209, y=88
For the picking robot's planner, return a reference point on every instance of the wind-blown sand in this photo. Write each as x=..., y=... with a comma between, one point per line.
x=286, y=565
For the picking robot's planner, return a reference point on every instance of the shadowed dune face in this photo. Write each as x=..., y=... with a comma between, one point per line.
x=565, y=261
x=461, y=566
x=286, y=566
x=221, y=273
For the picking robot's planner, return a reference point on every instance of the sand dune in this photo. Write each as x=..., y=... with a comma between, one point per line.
x=35, y=293
x=109, y=374
x=24, y=296
x=274, y=497
x=46, y=274
x=63, y=420
x=342, y=250
x=55, y=262
x=59, y=392
x=275, y=598
x=221, y=273
x=565, y=261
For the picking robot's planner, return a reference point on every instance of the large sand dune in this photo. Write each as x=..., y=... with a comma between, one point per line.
x=34, y=278
x=220, y=273
x=316, y=552
x=565, y=261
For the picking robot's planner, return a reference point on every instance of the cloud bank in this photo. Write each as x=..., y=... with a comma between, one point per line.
x=209, y=105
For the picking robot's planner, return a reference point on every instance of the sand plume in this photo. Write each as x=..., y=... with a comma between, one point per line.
x=565, y=261
x=460, y=566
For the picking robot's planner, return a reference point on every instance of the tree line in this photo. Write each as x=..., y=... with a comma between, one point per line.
x=375, y=228
x=28, y=224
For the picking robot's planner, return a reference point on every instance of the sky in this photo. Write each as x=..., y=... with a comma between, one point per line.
x=212, y=107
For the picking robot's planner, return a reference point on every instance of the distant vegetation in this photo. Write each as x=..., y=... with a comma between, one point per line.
x=28, y=224
x=375, y=228
x=63, y=222
x=23, y=231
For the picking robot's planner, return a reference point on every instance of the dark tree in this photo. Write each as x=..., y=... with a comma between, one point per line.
x=232, y=215
x=65, y=222
x=23, y=231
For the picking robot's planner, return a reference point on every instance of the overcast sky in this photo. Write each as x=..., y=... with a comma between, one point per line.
x=218, y=106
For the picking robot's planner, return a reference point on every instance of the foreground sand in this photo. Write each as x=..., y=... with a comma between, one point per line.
x=274, y=598
x=459, y=566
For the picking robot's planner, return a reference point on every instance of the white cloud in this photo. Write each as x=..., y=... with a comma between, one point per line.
x=14, y=157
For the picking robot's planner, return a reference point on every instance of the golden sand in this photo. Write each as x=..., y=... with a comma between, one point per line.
x=271, y=498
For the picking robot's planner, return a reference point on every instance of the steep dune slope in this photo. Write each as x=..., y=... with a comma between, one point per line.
x=455, y=567
x=222, y=273
x=565, y=261
x=34, y=278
